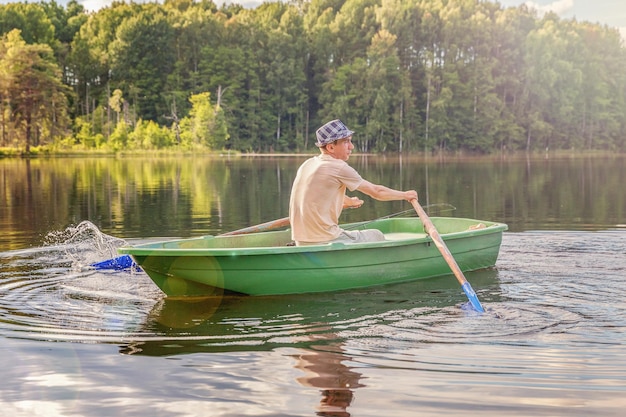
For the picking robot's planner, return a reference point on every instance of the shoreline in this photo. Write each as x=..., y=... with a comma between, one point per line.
x=451, y=156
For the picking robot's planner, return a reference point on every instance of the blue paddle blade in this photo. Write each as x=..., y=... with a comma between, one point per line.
x=471, y=295
x=118, y=264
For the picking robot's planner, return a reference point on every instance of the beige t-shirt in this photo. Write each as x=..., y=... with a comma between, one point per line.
x=317, y=198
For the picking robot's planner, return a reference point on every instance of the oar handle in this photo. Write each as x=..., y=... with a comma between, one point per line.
x=429, y=227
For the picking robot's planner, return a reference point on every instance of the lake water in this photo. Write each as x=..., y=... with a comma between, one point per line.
x=78, y=342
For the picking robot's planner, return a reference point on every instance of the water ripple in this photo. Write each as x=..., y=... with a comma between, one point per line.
x=49, y=293
x=541, y=291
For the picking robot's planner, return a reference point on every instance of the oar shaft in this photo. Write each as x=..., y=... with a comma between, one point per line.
x=126, y=261
x=430, y=228
x=263, y=227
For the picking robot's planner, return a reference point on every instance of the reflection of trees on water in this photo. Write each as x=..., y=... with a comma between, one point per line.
x=157, y=197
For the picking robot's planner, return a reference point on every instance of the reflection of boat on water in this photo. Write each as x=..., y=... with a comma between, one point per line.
x=242, y=323
x=308, y=328
x=266, y=264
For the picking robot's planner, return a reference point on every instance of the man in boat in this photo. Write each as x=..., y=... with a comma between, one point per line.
x=318, y=194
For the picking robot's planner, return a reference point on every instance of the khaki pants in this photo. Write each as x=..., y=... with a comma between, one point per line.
x=352, y=236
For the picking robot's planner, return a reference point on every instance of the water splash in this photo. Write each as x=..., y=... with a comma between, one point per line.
x=84, y=244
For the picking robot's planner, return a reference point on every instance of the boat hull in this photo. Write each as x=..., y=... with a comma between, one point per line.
x=263, y=264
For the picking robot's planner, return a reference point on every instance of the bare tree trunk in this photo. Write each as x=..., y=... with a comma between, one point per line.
x=427, y=116
x=306, y=133
x=108, y=113
x=3, y=137
x=277, y=131
x=28, y=132
x=401, y=123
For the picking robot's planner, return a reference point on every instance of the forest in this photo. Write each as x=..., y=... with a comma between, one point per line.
x=458, y=76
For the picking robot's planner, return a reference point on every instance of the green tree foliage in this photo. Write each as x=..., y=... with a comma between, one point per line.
x=31, y=20
x=142, y=56
x=34, y=99
x=205, y=125
x=90, y=61
x=406, y=75
x=149, y=135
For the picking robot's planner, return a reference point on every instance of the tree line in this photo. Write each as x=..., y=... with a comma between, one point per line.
x=406, y=75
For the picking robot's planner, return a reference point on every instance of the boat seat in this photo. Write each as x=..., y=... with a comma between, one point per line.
x=404, y=236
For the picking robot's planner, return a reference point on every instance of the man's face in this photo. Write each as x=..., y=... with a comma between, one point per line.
x=341, y=149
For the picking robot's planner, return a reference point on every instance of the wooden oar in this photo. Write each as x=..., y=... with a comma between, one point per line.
x=429, y=227
x=125, y=261
x=263, y=227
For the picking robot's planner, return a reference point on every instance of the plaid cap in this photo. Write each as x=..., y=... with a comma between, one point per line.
x=330, y=132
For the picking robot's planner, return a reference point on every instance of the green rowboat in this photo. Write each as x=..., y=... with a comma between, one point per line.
x=265, y=264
